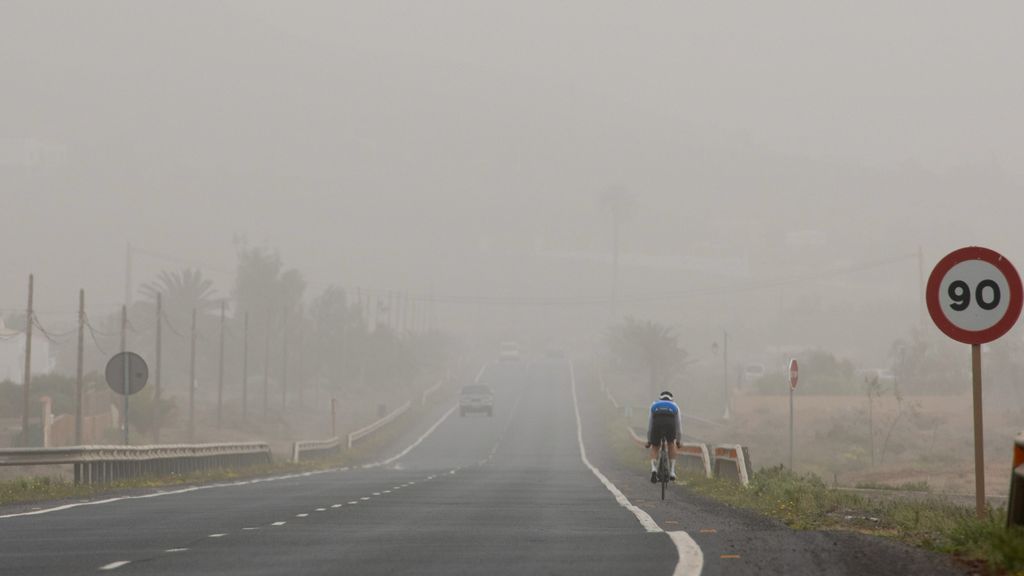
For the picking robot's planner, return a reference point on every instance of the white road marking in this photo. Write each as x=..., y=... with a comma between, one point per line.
x=174, y=492
x=217, y=535
x=114, y=565
x=303, y=515
x=376, y=493
x=176, y=550
x=417, y=442
x=335, y=505
x=354, y=502
x=244, y=482
x=278, y=523
x=691, y=559
x=321, y=509
x=365, y=498
x=387, y=492
x=251, y=528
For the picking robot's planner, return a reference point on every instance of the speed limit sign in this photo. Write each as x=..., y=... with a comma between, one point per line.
x=974, y=295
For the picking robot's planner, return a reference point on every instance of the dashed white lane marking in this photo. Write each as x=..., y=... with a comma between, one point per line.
x=217, y=535
x=691, y=559
x=321, y=509
x=396, y=487
x=365, y=498
x=335, y=505
x=172, y=550
x=251, y=528
x=354, y=502
x=278, y=523
x=376, y=493
x=114, y=565
x=387, y=492
x=303, y=515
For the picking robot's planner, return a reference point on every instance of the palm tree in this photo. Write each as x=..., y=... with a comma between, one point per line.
x=182, y=291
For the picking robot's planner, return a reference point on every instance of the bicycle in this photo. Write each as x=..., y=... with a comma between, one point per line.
x=663, y=467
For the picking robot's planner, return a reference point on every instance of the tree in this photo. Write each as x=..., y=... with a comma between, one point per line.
x=650, y=346
x=182, y=292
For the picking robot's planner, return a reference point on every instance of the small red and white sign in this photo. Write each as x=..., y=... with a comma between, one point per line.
x=974, y=295
x=794, y=374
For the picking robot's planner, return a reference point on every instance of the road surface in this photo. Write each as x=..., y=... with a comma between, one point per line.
x=508, y=494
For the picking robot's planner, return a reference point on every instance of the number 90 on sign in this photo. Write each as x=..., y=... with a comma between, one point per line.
x=974, y=295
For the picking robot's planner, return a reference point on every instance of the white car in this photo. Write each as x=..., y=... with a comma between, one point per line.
x=509, y=352
x=476, y=398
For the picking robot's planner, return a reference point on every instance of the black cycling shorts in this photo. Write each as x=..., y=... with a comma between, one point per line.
x=662, y=427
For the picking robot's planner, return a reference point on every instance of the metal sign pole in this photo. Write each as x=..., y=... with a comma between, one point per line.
x=790, y=427
x=979, y=442
x=127, y=379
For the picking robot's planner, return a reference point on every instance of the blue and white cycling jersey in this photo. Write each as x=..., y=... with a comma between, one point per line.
x=665, y=421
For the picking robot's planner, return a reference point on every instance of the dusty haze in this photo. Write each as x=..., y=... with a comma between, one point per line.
x=464, y=150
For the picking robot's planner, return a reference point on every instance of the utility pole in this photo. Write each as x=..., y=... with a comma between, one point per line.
x=128, y=275
x=220, y=369
x=127, y=363
x=298, y=361
x=284, y=361
x=245, y=368
x=78, y=368
x=266, y=372
x=921, y=287
x=157, y=391
x=725, y=372
x=28, y=363
x=192, y=382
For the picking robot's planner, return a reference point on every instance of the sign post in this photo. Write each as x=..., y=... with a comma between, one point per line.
x=974, y=296
x=794, y=378
x=126, y=374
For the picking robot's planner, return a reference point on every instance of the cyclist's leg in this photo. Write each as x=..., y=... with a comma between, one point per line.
x=672, y=453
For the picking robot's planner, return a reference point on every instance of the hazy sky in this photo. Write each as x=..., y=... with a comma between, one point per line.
x=404, y=144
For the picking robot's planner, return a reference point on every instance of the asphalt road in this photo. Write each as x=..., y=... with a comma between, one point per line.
x=508, y=494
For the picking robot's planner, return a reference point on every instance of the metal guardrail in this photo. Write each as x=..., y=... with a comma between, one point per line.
x=429, y=391
x=370, y=429
x=315, y=449
x=104, y=464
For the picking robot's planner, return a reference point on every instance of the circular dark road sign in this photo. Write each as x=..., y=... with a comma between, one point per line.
x=974, y=295
x=138, y=372
x=794, y=374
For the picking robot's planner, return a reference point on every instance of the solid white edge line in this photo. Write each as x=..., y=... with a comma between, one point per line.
x=114, y=565
x=691, y=559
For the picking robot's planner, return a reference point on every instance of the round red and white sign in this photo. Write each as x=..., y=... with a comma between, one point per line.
x=974, y=295
x=794, y=374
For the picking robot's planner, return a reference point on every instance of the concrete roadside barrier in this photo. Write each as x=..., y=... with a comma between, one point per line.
x=694, y=457
x=732, y=462
x=1015, y=505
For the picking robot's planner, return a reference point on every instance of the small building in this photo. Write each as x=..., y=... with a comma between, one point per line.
x=12, y=354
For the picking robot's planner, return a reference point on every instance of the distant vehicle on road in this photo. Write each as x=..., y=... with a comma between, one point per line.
x=554, y=354
x=476, y=398
x=752, y=372
x=509, y=352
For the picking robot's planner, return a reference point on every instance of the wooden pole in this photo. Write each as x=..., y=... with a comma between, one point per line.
x=27, y=382
x=245, y=368
x=158, y=390
x=192, y=382
x=979, y=441
x=78, y=368
x=220, y=371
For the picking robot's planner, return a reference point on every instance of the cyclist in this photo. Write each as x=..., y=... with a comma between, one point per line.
x=666, y=422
